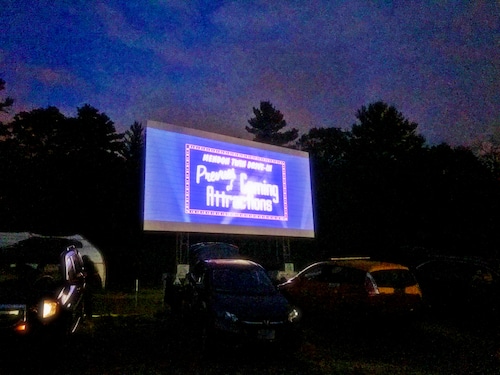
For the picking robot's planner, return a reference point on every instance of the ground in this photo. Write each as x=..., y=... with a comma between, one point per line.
x=134, y=333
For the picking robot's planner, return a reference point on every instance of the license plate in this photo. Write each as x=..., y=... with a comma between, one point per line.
x=266, y=334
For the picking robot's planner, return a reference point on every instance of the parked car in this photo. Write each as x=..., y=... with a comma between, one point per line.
x=175, y=286
x=353, y=286
x=41, y=289
x=236, y=300
x=211, y=250
x=459, y=285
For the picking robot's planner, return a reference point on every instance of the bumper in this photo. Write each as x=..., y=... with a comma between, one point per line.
x=261, y=332
x=13, y=318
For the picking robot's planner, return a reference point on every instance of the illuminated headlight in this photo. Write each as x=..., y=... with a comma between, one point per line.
x=231, y=317
x=49, y=308
x=293, y=315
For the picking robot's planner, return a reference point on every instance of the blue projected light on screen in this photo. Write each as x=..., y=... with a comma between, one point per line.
x=204, y=182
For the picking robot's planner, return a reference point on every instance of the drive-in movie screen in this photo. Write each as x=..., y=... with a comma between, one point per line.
x=196, y=181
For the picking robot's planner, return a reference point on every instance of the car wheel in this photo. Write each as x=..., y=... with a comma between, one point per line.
x=76, y=318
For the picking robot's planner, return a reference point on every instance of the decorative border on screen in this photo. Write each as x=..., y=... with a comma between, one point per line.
x=228, y=157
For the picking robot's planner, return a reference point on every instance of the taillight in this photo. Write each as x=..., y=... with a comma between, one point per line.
x=371, y=286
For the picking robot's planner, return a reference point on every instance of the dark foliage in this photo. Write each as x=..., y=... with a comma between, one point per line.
x=267, y=126
x=377, y=188
x=63, y=176
x=7, y=102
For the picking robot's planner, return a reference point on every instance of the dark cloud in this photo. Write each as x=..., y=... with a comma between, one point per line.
x=206, y=64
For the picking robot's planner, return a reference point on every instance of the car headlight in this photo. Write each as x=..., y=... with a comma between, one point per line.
x=49, y=308
x=293, y=315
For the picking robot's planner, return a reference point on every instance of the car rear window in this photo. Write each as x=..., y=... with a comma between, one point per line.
x=393, y=278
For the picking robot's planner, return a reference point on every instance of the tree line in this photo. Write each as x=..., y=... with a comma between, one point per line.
x=377, y=187
x=64, y=175
x=380, y=189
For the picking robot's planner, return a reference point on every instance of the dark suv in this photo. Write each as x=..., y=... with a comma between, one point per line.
x=41, y=289
x=460, y=286
x=236, y=300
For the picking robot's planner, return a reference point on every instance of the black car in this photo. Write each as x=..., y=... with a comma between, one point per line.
x=459, y=285
x=175, y=288
x=212, y=250
x=41, y=289
x=236, y=300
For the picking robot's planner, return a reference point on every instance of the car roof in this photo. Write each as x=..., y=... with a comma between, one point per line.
x=211, y=250
x=468, y=261
x=366, y=264
x=233, y=263
x=43, y=250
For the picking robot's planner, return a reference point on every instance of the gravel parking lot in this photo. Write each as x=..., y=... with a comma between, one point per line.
x=135, y=334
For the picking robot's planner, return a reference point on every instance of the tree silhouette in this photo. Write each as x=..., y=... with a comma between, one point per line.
x=56, y=166
x=328, y=146
x=488, y=151
x=461, y=199
x=328, y=149
x=133, y=152
x=134, y=143
x=96, y=133
x=34, y=177
x=37, y=133
x=377, y=187
x=267, y=125
x=7, y=102
x=384, y=133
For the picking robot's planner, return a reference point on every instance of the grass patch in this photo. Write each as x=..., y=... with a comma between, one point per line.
x=144, y=302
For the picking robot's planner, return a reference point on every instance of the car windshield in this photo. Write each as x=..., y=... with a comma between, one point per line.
x=242, y=281
x=11, y=273
x=396, y=278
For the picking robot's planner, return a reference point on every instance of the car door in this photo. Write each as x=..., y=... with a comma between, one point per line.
x=343, y=288
x=332, y=291
x=316, y=289
x=71, y=295
x=353, y=295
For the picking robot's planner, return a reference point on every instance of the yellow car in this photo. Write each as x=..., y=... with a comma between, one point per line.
x=354, y=285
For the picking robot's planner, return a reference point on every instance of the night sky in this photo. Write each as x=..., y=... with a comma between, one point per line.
x=205, y=64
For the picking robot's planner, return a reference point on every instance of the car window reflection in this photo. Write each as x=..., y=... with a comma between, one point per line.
x=240, y=281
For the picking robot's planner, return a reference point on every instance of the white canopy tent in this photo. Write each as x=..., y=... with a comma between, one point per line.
x=84, y=246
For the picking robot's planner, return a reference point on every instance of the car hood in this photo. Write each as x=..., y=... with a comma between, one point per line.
x=19, y=291
x=13, y=292
x=252, y=307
